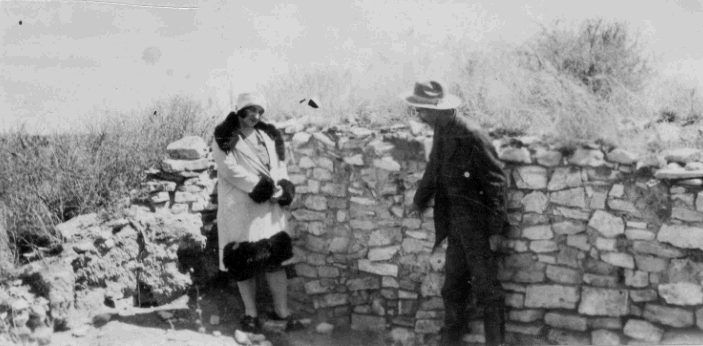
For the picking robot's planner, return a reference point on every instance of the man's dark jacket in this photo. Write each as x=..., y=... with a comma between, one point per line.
x=465, y=177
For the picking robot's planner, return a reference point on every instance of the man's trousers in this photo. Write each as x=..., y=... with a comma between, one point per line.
x=471, y=267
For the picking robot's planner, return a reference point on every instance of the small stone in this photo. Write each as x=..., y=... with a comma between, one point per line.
x=605, y=337
x=621, y=156
x=618, y=259
x=675, y=317
x=324, y=328
x=603, y=301
x=188, y=148
x=681, y=293
x=80, y=331
x=607, y=224
x=530, y=177
x=643, y=330
x=214, y=320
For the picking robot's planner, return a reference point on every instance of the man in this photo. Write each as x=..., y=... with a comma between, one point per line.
x=467, y=182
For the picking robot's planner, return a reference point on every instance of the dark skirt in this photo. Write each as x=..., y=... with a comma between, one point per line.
x=247, y=259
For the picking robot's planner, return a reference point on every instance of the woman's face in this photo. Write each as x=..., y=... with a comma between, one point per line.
x=253, y=116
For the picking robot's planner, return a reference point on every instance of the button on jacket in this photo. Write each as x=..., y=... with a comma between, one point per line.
x=466, y=179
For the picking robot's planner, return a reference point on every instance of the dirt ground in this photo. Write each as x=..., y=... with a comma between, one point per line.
x=178, y=324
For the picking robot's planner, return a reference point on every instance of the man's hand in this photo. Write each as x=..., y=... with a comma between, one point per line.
x=277, y=194
x=415, y=210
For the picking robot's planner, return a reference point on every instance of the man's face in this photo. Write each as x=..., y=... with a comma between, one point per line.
x=425, y=115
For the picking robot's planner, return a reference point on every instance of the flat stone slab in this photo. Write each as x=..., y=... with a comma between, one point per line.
x=683, y=337
x=668, y=173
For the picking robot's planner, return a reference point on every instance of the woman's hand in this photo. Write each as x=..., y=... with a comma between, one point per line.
x=277, y=194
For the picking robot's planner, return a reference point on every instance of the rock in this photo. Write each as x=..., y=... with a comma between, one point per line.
x=56, y=282
x=682, y=337
x=551, y=296
x=587, y=157
x=324, y=328
x=80, y=331
x=625, y=206
x=683, y=155
x=605, y=337
x=331, y=300
x=681, y=236
x=563, y=275
x=669, y=173
x=387, y=164
x=603, y=302
x=527, y=329
x=607, y=224
x=681, y=293
x=525, y=316
x=367, y=322
x=643, y=330
x=549, y=158
x=622, y=156
x=83, y=247
x=564, y=177
x=355, y=160
x=670, y=316
x=562, y=337
x=385, y=269
x=530, y=177
x=646, y=295
x=69, y=228
x=538, y=232
x=42, y=335
x=656, y=248
x=636, y=278
x=177, y=166
x=566, y=321
x=188, y=148
x=432, y=285
x=684, y=214
x=511, y=154
x=568, y=227
x=241, y=337
x=618, y=259
x=571, y=198
x=535, y=202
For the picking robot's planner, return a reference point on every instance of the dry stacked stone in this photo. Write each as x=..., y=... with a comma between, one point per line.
x=604, y=247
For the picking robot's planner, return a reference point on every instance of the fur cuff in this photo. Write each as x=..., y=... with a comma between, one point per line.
x=246, y=259
x=263, y=190
x=288, y=192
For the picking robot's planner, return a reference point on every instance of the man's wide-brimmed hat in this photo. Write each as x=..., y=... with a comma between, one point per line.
x=430, y=94
x=248, y=99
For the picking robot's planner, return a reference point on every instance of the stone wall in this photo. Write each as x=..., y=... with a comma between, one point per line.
x=604, y=248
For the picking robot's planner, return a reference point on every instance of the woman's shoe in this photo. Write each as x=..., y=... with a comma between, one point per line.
x=250, y=324
x=292, y=322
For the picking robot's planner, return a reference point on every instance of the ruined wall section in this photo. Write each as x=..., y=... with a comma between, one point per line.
x=605, y=247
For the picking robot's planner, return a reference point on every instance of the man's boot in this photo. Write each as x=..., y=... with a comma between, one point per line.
x=494, y=323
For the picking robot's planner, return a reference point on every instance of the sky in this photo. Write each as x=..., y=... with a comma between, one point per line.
x=65, y=63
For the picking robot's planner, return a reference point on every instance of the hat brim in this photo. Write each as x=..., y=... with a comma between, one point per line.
x=449, y=101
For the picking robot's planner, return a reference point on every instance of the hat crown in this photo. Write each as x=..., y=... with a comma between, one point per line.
x=247, y=99
x=430, y=94
x=430, y=90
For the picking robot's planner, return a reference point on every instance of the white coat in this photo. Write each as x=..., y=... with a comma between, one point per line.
x=239, y=218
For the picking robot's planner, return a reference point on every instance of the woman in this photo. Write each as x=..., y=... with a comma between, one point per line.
x=252, y=188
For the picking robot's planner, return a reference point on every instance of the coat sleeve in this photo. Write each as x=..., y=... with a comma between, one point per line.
x=427, y=186
x=230, y=170
x=492, y=181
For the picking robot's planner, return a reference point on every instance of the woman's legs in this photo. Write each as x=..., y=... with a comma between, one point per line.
x=278, y=283
x=247, y=289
